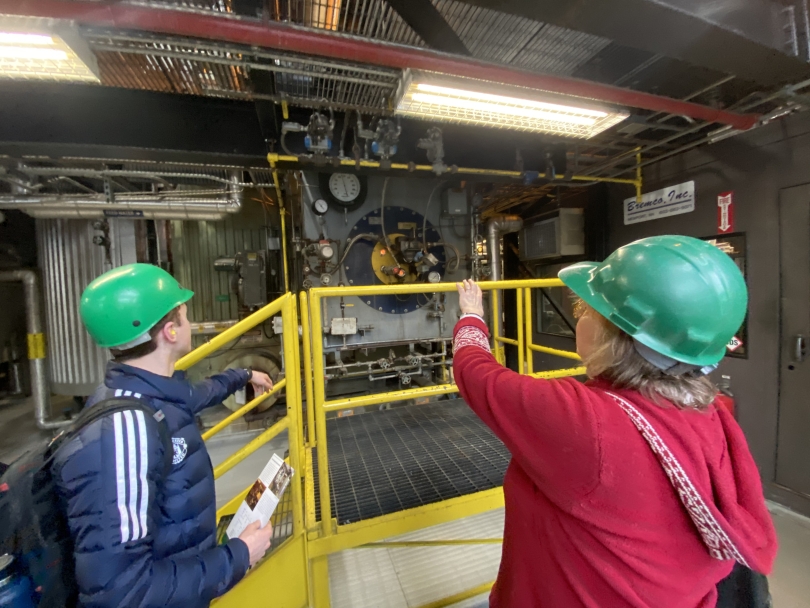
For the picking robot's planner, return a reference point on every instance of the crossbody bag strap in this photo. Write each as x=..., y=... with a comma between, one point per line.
x=718, y=543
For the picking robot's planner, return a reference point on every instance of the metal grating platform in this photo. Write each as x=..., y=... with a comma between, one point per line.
x=388, y=461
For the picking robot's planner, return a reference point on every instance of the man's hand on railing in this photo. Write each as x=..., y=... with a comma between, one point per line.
x=261, y=382
x=470, y=298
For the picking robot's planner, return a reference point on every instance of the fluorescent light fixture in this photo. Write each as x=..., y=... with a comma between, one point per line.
x=432, y=96
x=44, y=49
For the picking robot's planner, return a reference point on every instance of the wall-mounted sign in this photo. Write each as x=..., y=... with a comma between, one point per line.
x=734, y=344
x=123, y=213
x=673, y=200
x=725, y=212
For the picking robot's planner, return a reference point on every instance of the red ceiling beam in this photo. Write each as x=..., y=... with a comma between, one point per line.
x=307, y=42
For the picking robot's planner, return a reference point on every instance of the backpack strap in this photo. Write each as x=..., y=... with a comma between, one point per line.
x=113, y=405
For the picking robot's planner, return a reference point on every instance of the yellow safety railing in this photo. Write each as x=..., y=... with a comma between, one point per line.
x=288, y=561
x=302, y=556
x=320, y=405
x=286, y=306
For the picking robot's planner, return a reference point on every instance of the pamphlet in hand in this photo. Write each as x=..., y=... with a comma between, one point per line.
x=263, y=498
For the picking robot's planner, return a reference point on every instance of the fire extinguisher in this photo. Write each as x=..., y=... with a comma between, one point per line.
x=726, y=397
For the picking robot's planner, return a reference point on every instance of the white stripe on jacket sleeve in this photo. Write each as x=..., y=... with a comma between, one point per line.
x=144, y=461
x=132, y=475
x=120, y=476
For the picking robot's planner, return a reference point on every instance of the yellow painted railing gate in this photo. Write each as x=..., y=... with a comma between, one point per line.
x=295, y=574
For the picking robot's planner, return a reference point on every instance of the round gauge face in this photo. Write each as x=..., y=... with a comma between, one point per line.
x=320, y=206
x=345, y=187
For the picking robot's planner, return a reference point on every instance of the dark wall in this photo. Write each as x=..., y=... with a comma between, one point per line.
x=755, y=166
x=49, y=113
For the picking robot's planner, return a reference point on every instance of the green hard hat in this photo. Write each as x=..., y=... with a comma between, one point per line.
x=122, y=305
x=680, y=296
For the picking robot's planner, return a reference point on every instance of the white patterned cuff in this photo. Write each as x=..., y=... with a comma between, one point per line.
x=470, y=336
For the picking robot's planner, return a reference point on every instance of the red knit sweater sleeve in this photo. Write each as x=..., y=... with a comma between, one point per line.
x=549, y=426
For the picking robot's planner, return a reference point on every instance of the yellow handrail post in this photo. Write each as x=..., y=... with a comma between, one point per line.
x=527, y=300
x=521, y=348
x=293, y=371
x=495, y=325
x=306, y=338
x=320, y=413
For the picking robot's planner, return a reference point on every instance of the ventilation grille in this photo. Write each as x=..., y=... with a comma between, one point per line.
x=555, y=237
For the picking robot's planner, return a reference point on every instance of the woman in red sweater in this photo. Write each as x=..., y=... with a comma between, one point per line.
x=592, y=515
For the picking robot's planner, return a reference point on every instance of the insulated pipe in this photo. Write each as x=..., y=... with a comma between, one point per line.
x=40, y=388
x=273, y=35
x=150, y=206
x=94, y=214
x=497, y=226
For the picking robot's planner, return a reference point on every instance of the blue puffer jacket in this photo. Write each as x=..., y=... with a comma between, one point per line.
x=144, y=525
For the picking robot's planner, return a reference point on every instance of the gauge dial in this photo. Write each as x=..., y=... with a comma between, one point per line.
x=345, y=187
x=320, y=206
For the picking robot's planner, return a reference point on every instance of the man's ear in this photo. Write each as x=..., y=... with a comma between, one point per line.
x=169, y=332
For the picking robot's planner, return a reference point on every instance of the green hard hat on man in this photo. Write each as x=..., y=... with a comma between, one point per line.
x=678, y=296
x=122, y=305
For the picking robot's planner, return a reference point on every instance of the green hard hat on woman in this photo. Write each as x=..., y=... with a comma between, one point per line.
x=122, y=305
x=680, y=298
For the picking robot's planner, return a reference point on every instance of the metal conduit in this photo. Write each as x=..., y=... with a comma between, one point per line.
x=151, y=206
x=40, y=388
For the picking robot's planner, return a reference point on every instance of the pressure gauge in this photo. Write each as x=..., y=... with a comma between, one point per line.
x=344, y=190
x=344, y=186
x=434, y=277
x=320, y=207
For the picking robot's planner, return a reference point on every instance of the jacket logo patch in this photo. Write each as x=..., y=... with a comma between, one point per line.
x=180, y=449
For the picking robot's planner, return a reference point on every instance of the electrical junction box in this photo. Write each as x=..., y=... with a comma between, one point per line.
x=278, y=325
x=455, y=202
x=559, y=235
x=252, y=280
x=344, y=326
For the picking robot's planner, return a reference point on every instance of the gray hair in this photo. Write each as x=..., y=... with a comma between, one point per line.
x=617, y=361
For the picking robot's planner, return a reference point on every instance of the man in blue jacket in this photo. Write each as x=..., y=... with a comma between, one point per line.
x=144, y=521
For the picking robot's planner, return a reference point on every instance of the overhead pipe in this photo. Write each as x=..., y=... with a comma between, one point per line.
x=274, y=159
x=497, y=226
x=307, y=42
x=150, y=206
x=40, y=387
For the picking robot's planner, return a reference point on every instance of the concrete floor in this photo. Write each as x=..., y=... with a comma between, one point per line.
x=409, y=577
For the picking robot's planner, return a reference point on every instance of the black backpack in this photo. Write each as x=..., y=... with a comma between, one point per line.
x=33, y=524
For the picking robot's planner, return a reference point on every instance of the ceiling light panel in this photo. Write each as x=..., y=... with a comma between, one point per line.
x=44, y=49
x=432, y=96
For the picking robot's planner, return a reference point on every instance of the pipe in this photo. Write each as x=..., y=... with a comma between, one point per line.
x=150, y=206
x=40, y=387
x=274, y=35
x=273, y=159
x=210, y=328
x=496, y=227
x=281, y=212
x=89, y=215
